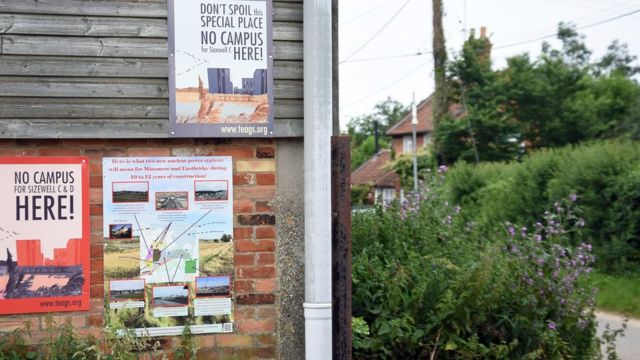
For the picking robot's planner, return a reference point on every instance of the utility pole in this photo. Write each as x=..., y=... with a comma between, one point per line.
x=414, y=126
x=440, y=107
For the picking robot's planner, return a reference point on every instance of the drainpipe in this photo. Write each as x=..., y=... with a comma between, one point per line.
x=317, y=178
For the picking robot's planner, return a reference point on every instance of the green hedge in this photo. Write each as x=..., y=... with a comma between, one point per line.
x=604, y=175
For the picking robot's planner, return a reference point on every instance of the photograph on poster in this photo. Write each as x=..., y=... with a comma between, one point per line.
x=169, y=200
x=44, y=232
x=213, y=286
x=211, y=190
x=120, y=231
x=129, y=192
x=170, y=296
x=126, y=290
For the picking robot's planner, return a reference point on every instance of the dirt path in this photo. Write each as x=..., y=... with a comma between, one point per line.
x=628, y=347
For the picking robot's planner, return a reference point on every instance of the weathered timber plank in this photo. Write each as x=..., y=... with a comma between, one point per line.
x=291, y=12
x=288, y=128
x=110, y=26
x=22, y=65
x=78, y=108
x=83, y=128
x=147, y=8
x=111, y=128
x=81, y=46
x=287, y=70
x=81, y=25
x=287, y=31
x=282, y=11
x=83, y=87
x=91, y=108
x=113, y=47
x=111, y=87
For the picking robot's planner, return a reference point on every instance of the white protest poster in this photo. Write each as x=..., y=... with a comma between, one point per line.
x=220, y=68
x=168, y=226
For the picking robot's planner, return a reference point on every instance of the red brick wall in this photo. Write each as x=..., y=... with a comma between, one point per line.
x=254, y=179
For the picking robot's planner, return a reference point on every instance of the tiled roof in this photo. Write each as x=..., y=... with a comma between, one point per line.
x=425, y=118
x=373, y=172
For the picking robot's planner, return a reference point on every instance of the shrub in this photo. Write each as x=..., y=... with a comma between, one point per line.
x=604, y=175
x=426, y=283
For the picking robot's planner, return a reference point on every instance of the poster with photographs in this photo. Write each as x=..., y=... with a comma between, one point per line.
x=44, y=234
x=220, y=68
x=168, y=226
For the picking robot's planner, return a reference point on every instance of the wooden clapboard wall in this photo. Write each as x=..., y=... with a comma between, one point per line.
x=98, y=69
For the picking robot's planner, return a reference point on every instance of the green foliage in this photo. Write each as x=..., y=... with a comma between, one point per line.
x=188, y=347
x=403, y=166
x=360, y=194
x=361, y=129
x=363, y=152
x=62, y=342
x=618, y=293
x=604, y=175
x=560, y=98
x=428, y=284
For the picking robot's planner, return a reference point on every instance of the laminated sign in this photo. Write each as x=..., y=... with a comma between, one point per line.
x=220, y=68
x=168, y=257
x=44, y=234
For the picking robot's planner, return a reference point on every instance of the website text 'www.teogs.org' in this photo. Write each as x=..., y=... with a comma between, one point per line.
x=244, y=130
x=63, y=303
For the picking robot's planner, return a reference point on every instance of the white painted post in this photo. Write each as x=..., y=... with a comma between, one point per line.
x=414, y=125
x=317, y=178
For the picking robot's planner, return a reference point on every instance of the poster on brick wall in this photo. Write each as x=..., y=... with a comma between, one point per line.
x=220, y=68
x=44, y=234
x=168, y=247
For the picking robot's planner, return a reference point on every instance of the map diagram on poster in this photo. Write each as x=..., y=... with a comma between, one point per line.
x=168, y=225
x=44, y=234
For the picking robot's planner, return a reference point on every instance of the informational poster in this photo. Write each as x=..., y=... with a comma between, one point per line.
x=44, y=234
x=220, y=68
x=168, y=226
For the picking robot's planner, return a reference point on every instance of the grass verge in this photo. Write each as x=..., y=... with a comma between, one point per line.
x=618, y=293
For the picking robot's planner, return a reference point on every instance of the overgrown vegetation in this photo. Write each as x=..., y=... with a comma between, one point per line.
x=605, y=176
x=562, y=97
x=618, y=294
x=62, y=342
x=429, y=284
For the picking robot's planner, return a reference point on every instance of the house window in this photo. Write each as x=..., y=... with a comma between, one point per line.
x=384, y=196
x=427, y=139
x=407, y=144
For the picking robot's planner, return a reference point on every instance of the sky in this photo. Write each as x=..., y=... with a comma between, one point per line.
x=374, y=67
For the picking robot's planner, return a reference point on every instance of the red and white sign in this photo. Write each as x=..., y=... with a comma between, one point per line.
x=44, y=234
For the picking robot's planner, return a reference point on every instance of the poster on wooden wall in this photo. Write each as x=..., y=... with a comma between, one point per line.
x=220, y=68
x=168, y=256
x=44, y=234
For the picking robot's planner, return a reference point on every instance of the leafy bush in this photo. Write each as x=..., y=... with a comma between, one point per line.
x=428, y=284
x=62, y=342
x=604, y=175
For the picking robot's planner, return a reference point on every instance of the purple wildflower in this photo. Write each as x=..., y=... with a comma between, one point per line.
x=552, y=325
x=573, y=197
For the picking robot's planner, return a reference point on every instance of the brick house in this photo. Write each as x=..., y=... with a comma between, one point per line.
x=384, y=183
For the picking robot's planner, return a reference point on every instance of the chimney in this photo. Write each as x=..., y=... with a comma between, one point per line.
x=486, y=53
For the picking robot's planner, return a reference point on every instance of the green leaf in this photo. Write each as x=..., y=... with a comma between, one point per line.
x=450, y=346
